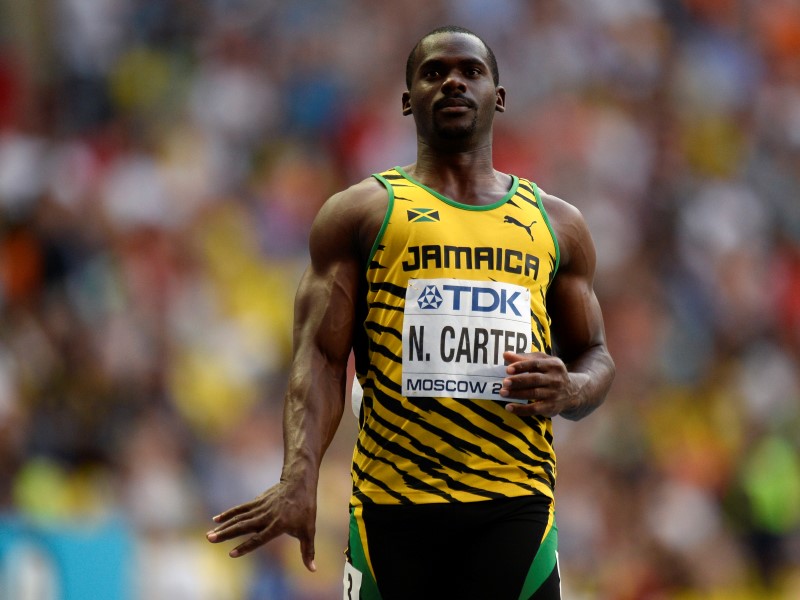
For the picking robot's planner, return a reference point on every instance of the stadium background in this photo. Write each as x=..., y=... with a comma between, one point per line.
x=160, y=163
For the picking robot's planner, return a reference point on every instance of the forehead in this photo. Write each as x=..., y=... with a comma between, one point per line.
x=451, y=45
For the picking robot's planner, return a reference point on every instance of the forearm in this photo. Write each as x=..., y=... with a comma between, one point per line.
x=591, y=375
x=312, y=413
x=322, y=340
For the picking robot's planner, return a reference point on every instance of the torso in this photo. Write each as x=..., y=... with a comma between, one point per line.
x=431, y=240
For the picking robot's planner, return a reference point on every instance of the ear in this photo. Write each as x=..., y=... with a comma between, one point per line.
x=500, y=103
x=406, y=104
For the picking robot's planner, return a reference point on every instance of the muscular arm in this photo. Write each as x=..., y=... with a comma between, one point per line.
x=576, y=380
x=325, y=309
x=323, y=333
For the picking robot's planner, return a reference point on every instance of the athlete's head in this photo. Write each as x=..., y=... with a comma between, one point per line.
x=453, y=89
x=411, y=62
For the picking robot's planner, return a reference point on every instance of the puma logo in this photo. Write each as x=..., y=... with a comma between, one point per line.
x=513, y=221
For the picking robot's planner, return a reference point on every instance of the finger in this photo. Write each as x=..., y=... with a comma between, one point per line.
x=533, y=388
x=233, y=512
x=237, y=526
x=524, y=386
x=255, y=541
x=512, y=357
x=540, y=409
x=519, y=363
x=307, y=552
x=521, y=410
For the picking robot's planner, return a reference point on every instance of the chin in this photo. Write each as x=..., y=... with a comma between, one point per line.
x=455, y=133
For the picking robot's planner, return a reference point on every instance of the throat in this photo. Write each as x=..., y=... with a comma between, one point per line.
x=476, y=186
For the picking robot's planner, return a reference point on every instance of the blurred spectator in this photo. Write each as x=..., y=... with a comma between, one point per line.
x=161, y=162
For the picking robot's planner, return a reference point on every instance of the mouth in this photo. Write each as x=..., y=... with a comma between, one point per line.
x=453, y=105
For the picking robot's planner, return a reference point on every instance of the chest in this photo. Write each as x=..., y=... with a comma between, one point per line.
x=426, y=235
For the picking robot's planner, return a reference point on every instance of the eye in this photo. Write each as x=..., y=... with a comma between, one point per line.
x=431, y=74
x=472, y=72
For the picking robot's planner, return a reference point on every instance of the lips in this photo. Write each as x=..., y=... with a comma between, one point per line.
x=453, y=103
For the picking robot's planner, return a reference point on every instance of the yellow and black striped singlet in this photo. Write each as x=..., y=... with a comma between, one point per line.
x=448, y=288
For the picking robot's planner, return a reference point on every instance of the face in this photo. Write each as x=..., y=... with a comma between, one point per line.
x=453, y=95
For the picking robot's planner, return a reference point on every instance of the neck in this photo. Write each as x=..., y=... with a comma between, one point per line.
x=466, y=175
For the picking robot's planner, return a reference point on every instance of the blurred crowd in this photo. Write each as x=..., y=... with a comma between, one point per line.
x=161, y=162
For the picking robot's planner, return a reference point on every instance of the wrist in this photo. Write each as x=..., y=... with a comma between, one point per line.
x=576, y=401
x=300, y=475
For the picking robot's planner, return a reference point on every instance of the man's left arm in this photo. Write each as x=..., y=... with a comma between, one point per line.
x=574, y=381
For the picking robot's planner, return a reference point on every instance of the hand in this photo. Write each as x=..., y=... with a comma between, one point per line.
x=278, y=510
x=543, y=380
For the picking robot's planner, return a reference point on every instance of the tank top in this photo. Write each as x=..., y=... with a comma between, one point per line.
x=450, y=287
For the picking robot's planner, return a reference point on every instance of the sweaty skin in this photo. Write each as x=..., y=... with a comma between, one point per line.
x=453, y=99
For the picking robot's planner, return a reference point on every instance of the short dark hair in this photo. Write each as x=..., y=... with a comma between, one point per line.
x=410, y=63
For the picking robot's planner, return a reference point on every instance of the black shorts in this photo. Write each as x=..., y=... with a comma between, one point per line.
x=492, y=550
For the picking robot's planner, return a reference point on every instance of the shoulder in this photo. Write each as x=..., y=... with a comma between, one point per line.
x=368, y=194
x=351, y=217
x=560, y=211
x=570, y=228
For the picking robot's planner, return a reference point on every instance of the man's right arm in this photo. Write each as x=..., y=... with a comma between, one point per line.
x=325, y=308
x=325, y=314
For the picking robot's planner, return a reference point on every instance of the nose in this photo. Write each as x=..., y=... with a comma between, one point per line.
x=453, y=82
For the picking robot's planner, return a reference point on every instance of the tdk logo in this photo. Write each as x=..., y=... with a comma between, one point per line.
x=472, y=298
x=430, y=297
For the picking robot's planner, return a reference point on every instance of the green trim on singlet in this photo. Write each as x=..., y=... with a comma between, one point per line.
x=358, y=558
x=386, y=217
x=451, y=202
x=537, y=195
x=543, y=564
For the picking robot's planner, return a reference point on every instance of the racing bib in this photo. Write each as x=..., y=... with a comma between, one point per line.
x=455, y=332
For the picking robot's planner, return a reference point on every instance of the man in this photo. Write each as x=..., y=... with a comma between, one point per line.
x=436, y=276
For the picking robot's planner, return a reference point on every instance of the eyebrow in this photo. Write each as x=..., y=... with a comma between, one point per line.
x=436, y=62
